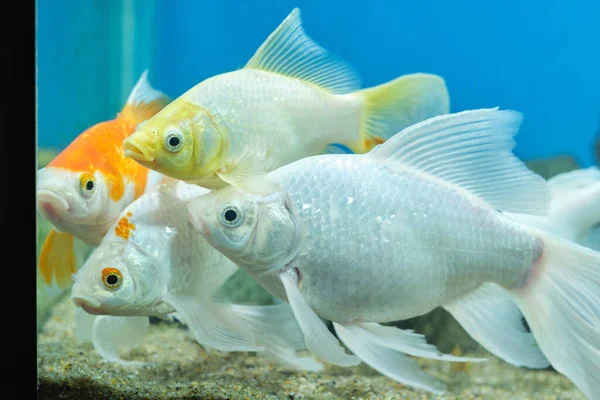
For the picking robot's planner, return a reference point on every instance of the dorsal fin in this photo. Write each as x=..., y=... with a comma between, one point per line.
x=472, y=150
x=289, y=51
x=144, y=101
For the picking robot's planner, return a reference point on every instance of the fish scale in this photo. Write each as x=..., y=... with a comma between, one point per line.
x=408, y=243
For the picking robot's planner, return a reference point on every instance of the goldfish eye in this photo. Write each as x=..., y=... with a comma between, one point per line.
x=87, y=183
x=231, y=216
x=174, y=141
x=111, y=277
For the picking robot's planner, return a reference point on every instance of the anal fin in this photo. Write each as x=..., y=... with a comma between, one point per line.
x=388, y=362
x=407, y=342
x=491, y=318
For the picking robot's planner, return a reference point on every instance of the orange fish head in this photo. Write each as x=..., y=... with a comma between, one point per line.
x=75, y=202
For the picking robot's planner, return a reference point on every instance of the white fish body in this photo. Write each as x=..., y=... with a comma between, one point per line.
x=412, y=225
x=374, y=232
x=153, y=263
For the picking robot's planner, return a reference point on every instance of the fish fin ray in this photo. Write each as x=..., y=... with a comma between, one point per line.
x=397, y=104
x=407, y=342
x=489, y=316
x=393, y=364
x=290, y=52
x=471, y=150
x=250, y=176
x=317, y=338
x=213, y=325
x=276, y=328
x=58, y=259
x=561, y=303
x=144, y=101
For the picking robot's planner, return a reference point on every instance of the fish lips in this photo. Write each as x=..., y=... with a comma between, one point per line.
x=51, y=205
x=137, y=151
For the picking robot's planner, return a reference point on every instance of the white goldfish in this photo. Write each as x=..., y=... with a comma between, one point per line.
x=83, y=190
x=154, y=263
x=293, y=99
x=410, y=226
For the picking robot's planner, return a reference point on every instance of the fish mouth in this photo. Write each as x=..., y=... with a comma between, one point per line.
x=51, y=205
x=88, y=304
x=136, y=151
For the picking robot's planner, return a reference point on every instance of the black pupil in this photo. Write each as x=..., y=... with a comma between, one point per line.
x=112, y=279
x=174, y=141
x=230, y=215
x=89, y=185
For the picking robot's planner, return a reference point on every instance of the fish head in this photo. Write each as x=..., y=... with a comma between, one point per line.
x=74, y=201
x=256, y=231
x=119, y=278
x=181, y=141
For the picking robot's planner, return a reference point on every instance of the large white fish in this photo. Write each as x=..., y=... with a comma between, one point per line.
x=291, y=100
x=152, y=262
x=410, y=226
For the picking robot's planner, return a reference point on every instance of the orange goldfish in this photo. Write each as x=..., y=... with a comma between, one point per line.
x=84, y=189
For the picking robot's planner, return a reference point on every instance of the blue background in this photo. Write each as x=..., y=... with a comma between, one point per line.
x=539, y=57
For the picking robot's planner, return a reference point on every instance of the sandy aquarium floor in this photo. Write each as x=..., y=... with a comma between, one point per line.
x=182, y=369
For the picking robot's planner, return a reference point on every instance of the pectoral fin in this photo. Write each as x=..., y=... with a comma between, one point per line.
x=112, y=334
x=248, y=175
x=317, y=338
x=276, y=328
x=58, y=259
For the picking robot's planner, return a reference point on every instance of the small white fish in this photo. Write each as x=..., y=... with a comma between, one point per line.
x=292, y=99
x=410, y=226
x=152, y=262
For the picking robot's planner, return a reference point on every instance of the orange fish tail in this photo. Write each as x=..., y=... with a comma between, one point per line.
x=57, y=259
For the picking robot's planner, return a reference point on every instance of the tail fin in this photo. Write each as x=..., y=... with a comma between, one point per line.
x=561, y=303
x=144, y=101
x=576, y=201
x=60, y=257
x=395, y=105
x=575, y=206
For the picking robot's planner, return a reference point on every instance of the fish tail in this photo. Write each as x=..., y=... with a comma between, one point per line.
x=561, y=303
x=144, y=101
x=397, y=104
x=58, y=259
x=578, y=196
